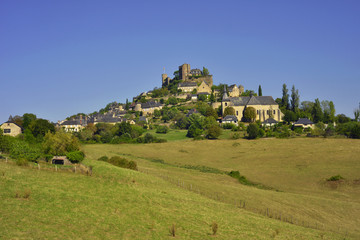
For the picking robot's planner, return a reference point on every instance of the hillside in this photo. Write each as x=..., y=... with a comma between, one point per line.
x=116, y=203
x=295, y=169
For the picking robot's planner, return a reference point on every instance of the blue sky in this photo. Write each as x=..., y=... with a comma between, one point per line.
x=59, y=58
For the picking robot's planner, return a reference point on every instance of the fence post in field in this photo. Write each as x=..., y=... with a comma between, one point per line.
x=6, y=160
x=75, y=169
x=55, y=168
x=38, y=166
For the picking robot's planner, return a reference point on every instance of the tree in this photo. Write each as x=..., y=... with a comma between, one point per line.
x=250, y=114
x=210, y=112
x=285, y=97
x=28, y=118
x=60, y=143
x=317, y=112
x=295, y=99
x=212, y=97
x=127, y=105
x=157, y=113
x=248, y=93
x=229, y=111
x=260, y=91
x=342, y=118
x=213, y=131
x=290, y=116
x=40, y=127
x=252, y=131
x=182, y=121
x=205, y=71
x=357, y=114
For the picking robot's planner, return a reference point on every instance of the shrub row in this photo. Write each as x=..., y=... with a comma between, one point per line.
x=120, y=162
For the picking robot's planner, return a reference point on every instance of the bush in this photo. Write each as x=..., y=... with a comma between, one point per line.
x=213, y=132
x=253, y=131
x=335, y=178
x=103, y=158
x=22, y=162
x=162, y=129
x=228, y=125
x=123, y=163
x=75, y=156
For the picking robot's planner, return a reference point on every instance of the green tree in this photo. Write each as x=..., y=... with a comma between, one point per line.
x=210, y=112
x=250, y=114
x=317, y=112
x=260, y=91
x=213, y=131
x=60, y=143
x=290, y=116
x=182, y=121
x=229, y=111
x=40, y=127
x=357, y=114
x=285, y=97
x=212, y=97
x=295, y=99
x=127, y=104
x=252, y=131
x=248, y=93
x=157, y=113
x=28, y=119
x=205, y=71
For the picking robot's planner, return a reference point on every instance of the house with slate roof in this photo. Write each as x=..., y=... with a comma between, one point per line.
x=11, y=129
x=72, y=125
x=304, y=122
x=187, y=86
x=269, y=122
x=265, y=106
x=230, y=119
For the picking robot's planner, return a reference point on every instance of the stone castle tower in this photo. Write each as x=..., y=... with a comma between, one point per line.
x=184, y=71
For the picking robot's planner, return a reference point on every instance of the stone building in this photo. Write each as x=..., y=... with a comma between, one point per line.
x=187, y=86
x=11, y=129
x=204, y=88
x=265, y=106
x=235, y=91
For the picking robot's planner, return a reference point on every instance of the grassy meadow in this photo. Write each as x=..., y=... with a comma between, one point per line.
x=182, y=183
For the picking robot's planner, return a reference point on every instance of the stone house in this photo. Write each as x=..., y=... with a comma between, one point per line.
x=235, y=91
x=265, y=106
x=60, y=160
x=148, y=107
x=11, y=129
x=304, y=122
x=230, y=119
x=204, y=88
x=269, y=122
x=187, y=86
x=72, y=125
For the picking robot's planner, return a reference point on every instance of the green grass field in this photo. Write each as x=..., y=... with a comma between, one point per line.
x=171, y=188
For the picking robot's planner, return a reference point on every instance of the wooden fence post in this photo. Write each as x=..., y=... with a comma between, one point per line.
x=38, y=166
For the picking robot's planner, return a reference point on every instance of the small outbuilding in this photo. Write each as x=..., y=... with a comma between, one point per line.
x=230, y=119
x=60, y=160
x=304, y=122
x=269, y=122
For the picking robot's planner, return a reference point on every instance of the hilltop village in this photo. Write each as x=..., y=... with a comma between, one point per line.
x=185, y=89
x=191, y=101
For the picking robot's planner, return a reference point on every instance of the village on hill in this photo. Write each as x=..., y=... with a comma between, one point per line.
x=186, y=88
x=191, y=101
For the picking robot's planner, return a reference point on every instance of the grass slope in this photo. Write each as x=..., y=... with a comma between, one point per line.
x=118, y=203
x=297, y=168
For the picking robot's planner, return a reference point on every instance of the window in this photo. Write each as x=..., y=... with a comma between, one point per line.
x=7, y=130
x=237, y=113
x=274, y=111
x=225, y=104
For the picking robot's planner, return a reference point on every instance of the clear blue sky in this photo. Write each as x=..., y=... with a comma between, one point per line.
x=58, y=58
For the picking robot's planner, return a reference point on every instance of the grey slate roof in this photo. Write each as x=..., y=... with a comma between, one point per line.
x=254, y=100
x=71, y=122
x=142, y=119
x=150, y=104
x=303, y=121
x=270, y=121
x=230, y=118
x=187, y=84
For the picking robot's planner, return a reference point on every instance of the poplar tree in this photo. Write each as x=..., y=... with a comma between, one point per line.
x=285, y=97
x=295, y=99
x=260, y=91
